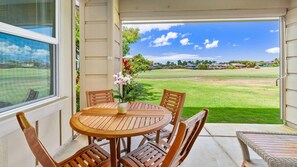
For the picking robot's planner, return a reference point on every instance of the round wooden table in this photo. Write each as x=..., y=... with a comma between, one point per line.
x=103, y=121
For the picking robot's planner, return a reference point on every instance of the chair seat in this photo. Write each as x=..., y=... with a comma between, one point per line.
x=89, y=156
x=149, y=154
x=164, y=133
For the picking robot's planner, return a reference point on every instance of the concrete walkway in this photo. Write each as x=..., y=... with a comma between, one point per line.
x=217, y=145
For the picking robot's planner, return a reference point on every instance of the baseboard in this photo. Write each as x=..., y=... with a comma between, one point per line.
x=291, y=125
x=68, y=141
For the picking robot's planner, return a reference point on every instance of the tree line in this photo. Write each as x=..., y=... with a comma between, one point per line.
x=204, y=64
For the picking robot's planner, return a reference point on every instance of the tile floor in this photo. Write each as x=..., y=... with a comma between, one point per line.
x=217, y=145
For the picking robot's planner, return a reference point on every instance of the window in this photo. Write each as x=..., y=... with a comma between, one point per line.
x=27, y=52
x=37, y=16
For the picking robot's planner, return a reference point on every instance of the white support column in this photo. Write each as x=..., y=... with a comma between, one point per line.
x=100, y=45
x=291, y=66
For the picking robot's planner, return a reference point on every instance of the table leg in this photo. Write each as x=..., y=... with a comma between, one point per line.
x=245, y=151
x=128, y=144
x=113, y=152
x=158, y=137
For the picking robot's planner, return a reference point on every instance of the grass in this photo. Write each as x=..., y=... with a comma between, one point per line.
x=14, y=89
x=232, y=96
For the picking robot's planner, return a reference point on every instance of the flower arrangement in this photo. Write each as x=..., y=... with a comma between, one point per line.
x=131, y=90
x=121, y=79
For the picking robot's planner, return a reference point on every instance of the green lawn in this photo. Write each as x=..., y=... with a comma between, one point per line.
x=232, y=96
x=14, y=89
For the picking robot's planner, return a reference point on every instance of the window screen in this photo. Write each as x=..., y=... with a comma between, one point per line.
x=26, y=70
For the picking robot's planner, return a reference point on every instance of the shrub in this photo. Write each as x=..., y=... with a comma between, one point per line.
x=231, y=67
x=203, y=66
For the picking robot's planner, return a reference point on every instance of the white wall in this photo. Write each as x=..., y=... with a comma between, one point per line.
x=291, y=59
x=51, y=116
x=100, y=45
x=200, y=9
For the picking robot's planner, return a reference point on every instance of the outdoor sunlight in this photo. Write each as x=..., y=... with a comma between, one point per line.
x=228, y=67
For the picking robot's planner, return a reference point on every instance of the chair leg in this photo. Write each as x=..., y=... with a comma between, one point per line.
x=119, y=150
x=124, y=144
x=128, y=145
x=90, y=140
x=142, y=141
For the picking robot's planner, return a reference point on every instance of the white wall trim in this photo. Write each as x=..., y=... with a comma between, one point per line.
x=199, y=20
x=9, y=124
x=17, y=31
x=203, y=15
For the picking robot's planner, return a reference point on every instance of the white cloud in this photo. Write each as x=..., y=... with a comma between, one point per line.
x=247, y=38
x=146, y=38
x=143, y=39
x=219, y=56
x=206, y=42
x=173, y=57
x=185, y=41
x=10, y=49
x=186, y=34
x=274, y=31
x=163, y=40
x=274, y=50
x=143, y=28
x=235, y=45
x=209, y=45
x=197, y=47
x=40, y=52
x=27, y=50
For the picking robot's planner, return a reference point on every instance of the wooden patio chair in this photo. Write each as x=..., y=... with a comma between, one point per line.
x=174, y=102
x=32, y=95
x=99, y=96
x=91, y=155
x=154, y=155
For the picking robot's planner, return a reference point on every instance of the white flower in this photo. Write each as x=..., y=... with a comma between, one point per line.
x=121, y=79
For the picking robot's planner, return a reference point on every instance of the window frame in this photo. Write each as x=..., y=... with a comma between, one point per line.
x=283, y=70
x=31, y=35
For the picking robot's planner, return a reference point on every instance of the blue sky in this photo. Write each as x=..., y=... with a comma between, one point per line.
x=217, y=41
x=22, y=49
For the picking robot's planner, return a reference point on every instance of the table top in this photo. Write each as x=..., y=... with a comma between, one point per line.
x=104, y=121
x=272, y=147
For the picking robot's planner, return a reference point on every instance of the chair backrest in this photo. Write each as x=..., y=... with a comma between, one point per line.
x=174, y=102
x=99, y=96
x=188, y=132
x=32, y=95
x=35, y=145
